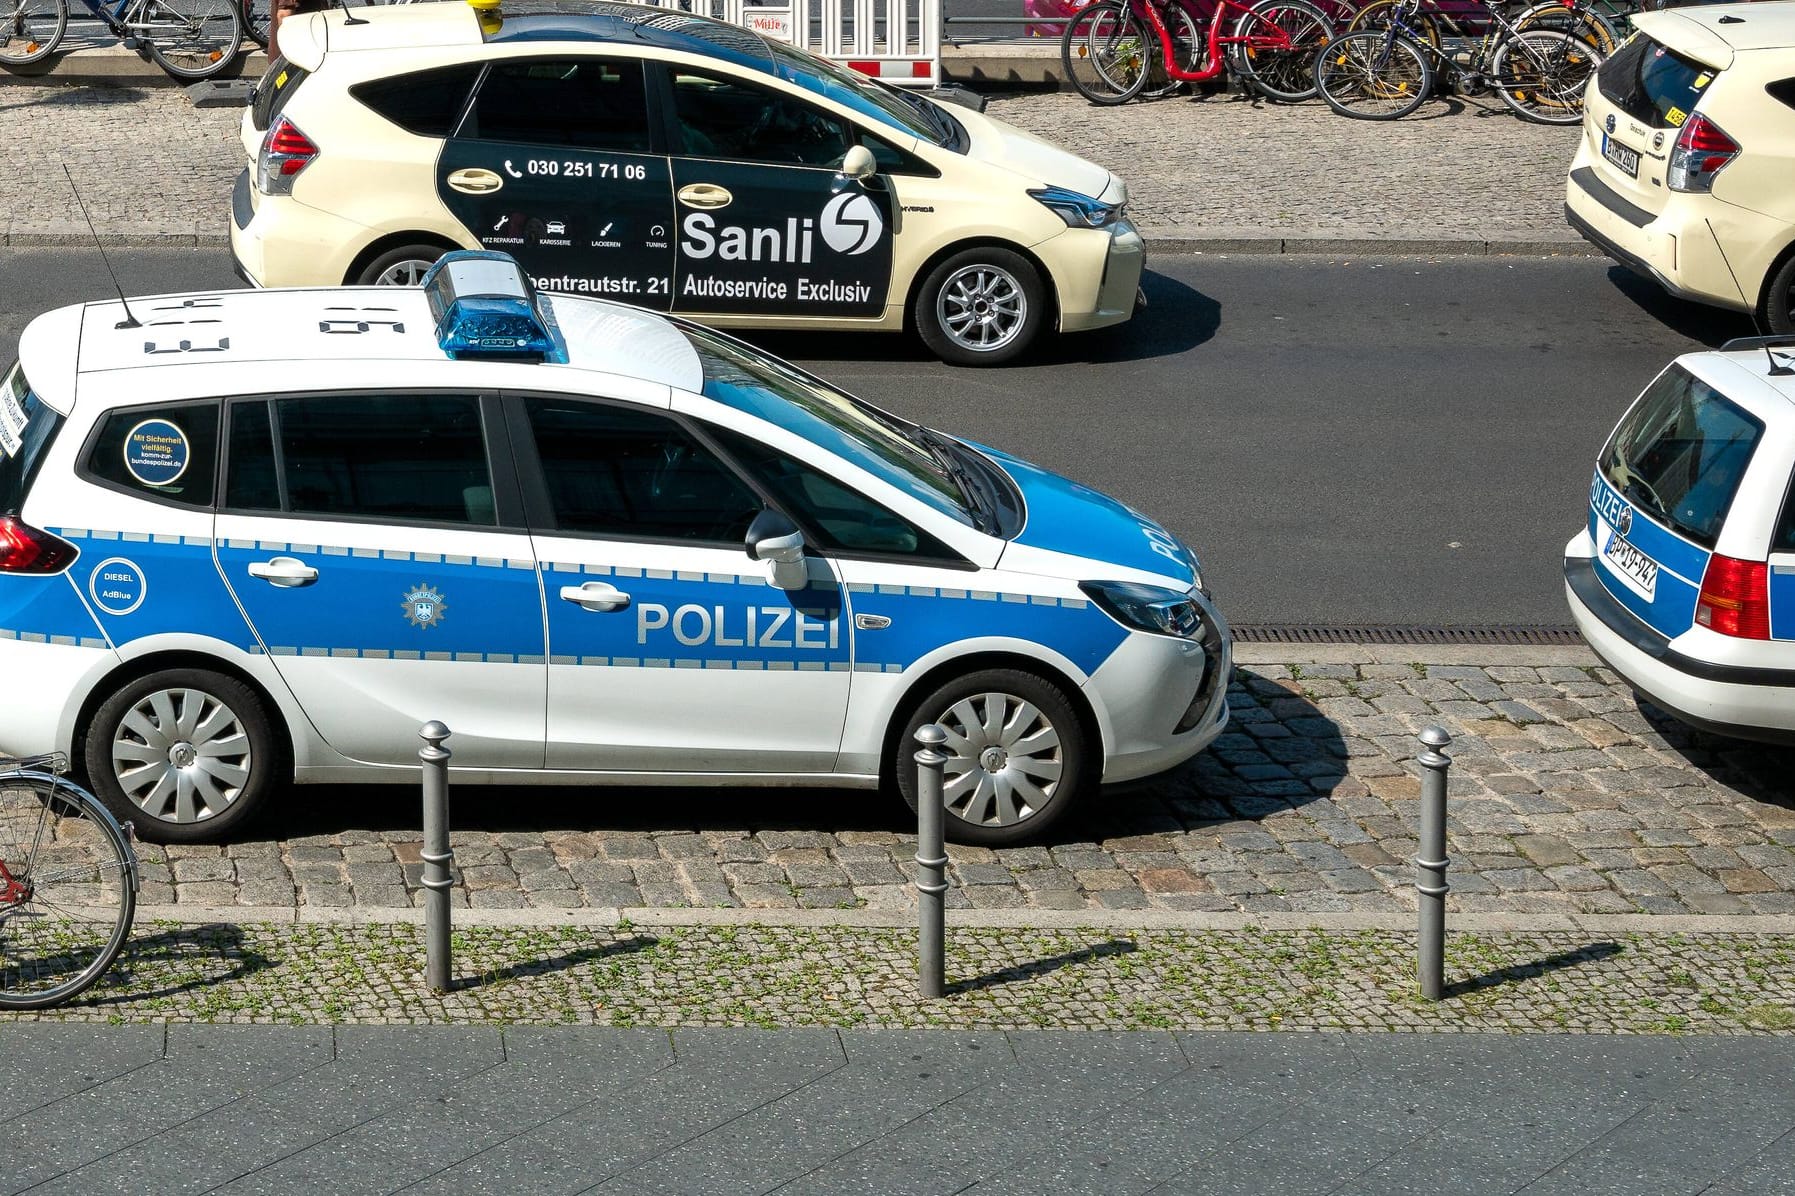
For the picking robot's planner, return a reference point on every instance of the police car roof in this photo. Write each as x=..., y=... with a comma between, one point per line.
x=1749, y=374
x=325, y=324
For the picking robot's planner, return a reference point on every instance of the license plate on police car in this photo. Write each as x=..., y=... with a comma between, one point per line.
x=1634, y=567
x=1621, y=156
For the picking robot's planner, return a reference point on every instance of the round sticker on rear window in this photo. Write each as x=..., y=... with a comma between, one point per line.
x=156, y=452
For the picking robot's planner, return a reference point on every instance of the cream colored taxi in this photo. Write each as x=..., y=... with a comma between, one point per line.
x=676, y=163
x=1686, y=168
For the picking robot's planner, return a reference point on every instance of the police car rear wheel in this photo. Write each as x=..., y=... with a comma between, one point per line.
x=186, y=755
x=401, y=267
x=1016, y=755
x=981, y=307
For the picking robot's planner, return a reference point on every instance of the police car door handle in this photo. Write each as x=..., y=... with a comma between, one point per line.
x=705, y=195
x=284, y=571
x=596, y=595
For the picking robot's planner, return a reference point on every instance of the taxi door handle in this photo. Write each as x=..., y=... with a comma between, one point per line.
x=473, y=180
x=705, y=195
x=596, y=595
x=284, y=571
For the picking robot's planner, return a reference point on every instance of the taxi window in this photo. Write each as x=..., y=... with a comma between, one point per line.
x=166, y=453
x=1680, y=453
x=582, y=103
x=1654, y=85
x=725, y=118
x=611, y=471
x=417, y=458
x=427, y=103
x=843, y=518
x=273, y=92
x=27, y=426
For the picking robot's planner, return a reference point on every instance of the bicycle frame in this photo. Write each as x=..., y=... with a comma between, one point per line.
x=114, y=19
x=1214, y=60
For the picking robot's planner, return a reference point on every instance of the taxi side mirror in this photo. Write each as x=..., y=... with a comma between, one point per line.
x=776, y=540
x=859, y=163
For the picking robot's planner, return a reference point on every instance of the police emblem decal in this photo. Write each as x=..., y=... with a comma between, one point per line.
x=1624, y=525
x=423, y=606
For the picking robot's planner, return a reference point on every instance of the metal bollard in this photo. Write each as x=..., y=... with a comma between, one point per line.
x=438, y=857
x=931, y=858
x=1430, y=862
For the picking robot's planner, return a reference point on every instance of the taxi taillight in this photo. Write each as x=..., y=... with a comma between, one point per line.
x=1702, y=149
x=25, y=550
x=285, y=152
x=1735, y=598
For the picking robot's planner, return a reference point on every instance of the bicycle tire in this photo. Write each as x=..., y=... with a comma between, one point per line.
x=1542, y=74
x=30, y=30
x=1284, y=75
x=1376, y=15
x=258, y=22
x=68, y=890
x=192, y=39
x=1104, y=52
x=1372, y=75
x=1581, y=23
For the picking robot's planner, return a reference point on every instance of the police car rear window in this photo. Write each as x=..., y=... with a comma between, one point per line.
x=1680, y=453
x=166, y=453
x=427, y=103
x=1653, y=84
x=272, y=93
x=27, y=426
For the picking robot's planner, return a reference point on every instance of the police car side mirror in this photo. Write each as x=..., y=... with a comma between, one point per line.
x=776, y=540
x=859, y=163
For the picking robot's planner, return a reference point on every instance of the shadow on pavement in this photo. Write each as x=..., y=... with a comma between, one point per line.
x=1041, y=967
x=195, y=957
x=1763, y=772
x=560, y=963
x=1593, y=953
x=1709, y=325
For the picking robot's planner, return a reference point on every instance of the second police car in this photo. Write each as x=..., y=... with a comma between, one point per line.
x=675, y=163
x=601, y=545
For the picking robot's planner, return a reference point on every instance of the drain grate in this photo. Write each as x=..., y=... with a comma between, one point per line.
x=1404, y=633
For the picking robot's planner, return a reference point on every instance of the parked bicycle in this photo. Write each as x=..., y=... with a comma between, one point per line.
x=1604, y=24
x=68, y=885
x=190, y=39
x=1116, y=50
x=1385, y=74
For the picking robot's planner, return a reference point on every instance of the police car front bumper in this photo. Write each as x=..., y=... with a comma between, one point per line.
x=1162, y=700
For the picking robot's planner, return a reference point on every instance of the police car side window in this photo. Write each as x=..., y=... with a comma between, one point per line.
x=612, y=471
x=165, y=453
x=725, y=118
x=404, y=457
x=584, y=103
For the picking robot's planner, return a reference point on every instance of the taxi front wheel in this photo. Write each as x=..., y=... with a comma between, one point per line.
x=1016, y=755
x=982, y=306
x=186, y=754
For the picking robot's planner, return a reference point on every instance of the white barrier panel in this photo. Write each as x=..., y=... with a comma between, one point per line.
x=897, y=41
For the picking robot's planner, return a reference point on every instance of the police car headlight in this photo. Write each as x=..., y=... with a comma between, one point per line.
x=1147, y=608
x=1078, y=211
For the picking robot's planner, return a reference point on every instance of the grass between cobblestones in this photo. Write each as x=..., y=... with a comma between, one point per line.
x=776, y=976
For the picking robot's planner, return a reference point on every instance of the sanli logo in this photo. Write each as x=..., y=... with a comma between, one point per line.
x=850, y=224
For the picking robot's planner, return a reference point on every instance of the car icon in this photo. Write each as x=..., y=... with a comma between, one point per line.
x=556, y=228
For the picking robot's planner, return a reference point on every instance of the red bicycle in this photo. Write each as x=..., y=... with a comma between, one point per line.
x=1109, y=49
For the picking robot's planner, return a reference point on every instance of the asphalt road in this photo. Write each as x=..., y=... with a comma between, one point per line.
x=1363, y=441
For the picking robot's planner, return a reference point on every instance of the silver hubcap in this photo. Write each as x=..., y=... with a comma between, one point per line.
x=408, y=273
x=1004, y=759
x=181, y=755
x=981, y=307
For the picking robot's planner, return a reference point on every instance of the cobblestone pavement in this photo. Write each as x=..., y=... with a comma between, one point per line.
x=839, y=976
x=1566, y=798
x=151, y=165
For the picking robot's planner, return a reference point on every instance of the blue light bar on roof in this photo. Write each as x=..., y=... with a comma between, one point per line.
x=485, y=309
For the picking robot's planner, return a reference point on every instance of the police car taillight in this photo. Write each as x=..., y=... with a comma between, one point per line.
x=285, y=152
x=1735, y=598
x=484, y=307
x=25, y=550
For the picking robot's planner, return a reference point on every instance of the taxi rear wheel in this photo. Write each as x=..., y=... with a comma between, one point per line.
x=1779, y=301
x=401, y=267
x=981, y=306
x=186, y=754
x=1016, y=755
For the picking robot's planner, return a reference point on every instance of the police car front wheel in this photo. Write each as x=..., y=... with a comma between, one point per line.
x=1016, y=755
x=185, y=754
x=981, y=306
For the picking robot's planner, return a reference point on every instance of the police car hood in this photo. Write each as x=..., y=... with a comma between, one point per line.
x=1039, y=161
x=1066, y=517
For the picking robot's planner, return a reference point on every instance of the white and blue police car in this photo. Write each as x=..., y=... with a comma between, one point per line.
x=1683, y=577
x=253, y=537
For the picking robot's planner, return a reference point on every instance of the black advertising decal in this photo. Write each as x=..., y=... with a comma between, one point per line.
x=578, y=222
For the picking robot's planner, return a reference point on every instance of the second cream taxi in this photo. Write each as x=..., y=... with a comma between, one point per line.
x=672, y=162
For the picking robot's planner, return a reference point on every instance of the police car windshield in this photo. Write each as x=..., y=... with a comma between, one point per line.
x=911, y=114
x=857, y=432
x=27, y=425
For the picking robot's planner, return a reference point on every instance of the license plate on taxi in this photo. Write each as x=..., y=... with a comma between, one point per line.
x=1621, y=156
x=1633, y=565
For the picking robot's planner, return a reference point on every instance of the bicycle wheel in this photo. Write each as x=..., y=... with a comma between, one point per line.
x=1581, y=23
x=258, y=20
x=1542, y=75
x=67, y=890
x=192, y=39
x=1187, y=52
x=1104, y=51
x=1280, y=40
x=1376, y=15
x=30, y=30
x=1373, y=76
